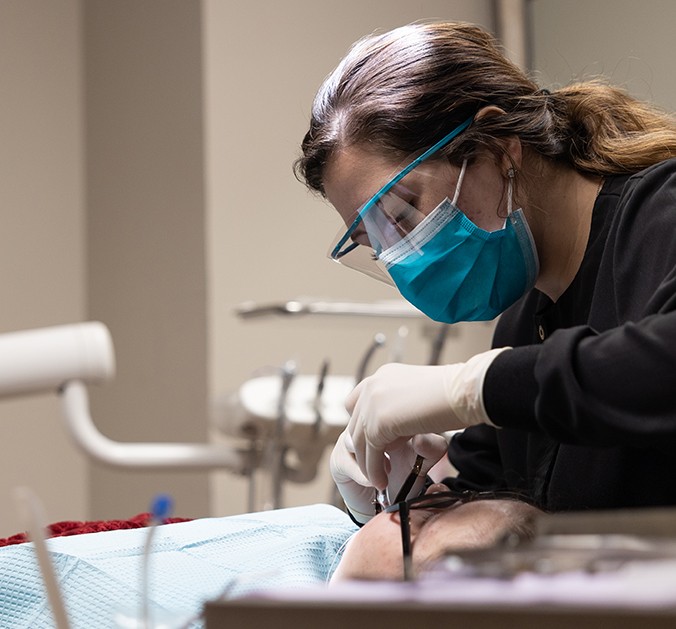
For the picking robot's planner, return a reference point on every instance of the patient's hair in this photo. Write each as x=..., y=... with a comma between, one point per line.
x=401, y=91
x=521, y=520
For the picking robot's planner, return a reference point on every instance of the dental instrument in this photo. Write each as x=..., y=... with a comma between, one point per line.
x=378, y=341
x=317, y=404
x=382, y=500
x=276, y=450
x=438, y=344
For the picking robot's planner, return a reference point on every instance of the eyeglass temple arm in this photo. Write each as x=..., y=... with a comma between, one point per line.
x=405, y=526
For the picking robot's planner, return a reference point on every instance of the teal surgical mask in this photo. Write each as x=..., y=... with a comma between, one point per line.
x=452, y=270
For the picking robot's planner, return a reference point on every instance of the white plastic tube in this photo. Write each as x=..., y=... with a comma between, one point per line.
x=39, y=360
x=32, y=514
x=155, y=456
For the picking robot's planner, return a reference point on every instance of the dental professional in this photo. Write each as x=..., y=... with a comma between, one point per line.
x=477, y=194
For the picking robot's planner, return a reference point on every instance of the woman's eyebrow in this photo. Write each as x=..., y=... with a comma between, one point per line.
x=359, y=233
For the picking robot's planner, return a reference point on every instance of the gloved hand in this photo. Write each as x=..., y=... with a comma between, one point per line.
x=358, y=493
x=399, y=401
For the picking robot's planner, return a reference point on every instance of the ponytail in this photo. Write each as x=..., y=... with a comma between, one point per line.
x=605, y=131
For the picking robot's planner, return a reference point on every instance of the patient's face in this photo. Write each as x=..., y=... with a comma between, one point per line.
x=375, y=551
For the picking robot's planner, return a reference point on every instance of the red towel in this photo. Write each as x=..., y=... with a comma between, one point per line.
x=60, y=529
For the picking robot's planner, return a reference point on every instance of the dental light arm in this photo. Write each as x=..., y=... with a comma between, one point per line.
x=155, y=456
x=36, y=361
x=66, y=358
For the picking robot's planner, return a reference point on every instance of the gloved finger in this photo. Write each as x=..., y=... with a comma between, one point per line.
x=343, y=465
x=401, y=461
x=355, y=431
x=347, y=470
x=433, y=447
x=346, y=439
x=375, y=462
x=430, y=446
x=353, y=397
x=402, y=483
x=370, y=458
x=355, y=489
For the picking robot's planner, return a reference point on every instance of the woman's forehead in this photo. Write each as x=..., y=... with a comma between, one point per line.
x=353, y=175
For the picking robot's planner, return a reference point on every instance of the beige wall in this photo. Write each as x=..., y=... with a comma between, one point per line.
x=42, y=260
x=629, y=42
x=146, y=238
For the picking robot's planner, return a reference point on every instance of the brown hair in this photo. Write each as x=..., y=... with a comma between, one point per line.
x=401, y=91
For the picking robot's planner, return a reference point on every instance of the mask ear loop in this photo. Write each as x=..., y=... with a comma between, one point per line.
x=510, y=190
x=459, y=184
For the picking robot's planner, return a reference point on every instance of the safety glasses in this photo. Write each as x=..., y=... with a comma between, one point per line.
x=391, y=214
x=439, y=500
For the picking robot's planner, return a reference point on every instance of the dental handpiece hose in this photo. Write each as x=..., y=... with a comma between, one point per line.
x=277, y=451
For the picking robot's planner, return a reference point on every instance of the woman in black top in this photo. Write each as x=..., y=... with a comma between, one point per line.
x=477, y=193
x=593, y=423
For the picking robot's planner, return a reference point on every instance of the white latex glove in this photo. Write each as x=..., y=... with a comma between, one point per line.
x=358, y=493
x=399, y=401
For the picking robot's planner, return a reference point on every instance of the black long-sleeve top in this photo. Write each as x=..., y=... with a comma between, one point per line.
x=586, y=400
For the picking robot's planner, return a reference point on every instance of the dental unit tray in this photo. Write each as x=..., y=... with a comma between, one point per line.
x=253, y=410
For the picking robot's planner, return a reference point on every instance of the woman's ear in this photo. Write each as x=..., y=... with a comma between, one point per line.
x=489, y=110
x=513, y=153
x=510, y=145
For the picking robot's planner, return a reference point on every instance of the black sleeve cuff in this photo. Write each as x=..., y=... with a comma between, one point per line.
x=510, y=388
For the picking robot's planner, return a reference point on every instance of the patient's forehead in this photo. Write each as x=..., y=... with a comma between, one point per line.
x=375, y=550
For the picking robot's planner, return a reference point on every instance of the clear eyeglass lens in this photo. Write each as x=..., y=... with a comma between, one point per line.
x=392, y=217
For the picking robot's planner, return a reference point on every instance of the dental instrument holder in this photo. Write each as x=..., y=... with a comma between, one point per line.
x=313, y=415
x=289, y=420
x=274, y=434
